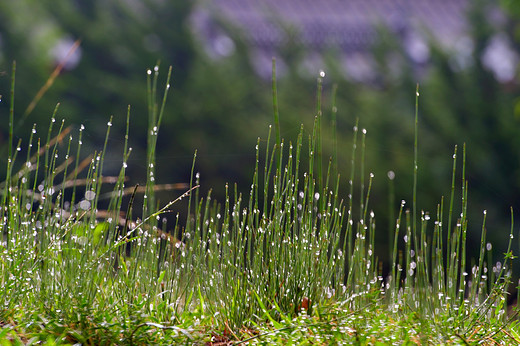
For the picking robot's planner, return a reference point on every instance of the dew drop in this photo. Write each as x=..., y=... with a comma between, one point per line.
x=84, y=205
x=90, y=195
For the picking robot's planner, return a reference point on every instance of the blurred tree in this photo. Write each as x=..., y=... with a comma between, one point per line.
x=214, y=106
x=458, y=104
x=473, y=106
x=120, y=40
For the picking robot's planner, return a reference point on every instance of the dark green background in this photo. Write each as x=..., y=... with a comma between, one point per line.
x=220, y=107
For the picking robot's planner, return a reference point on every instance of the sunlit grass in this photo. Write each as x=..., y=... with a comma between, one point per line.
x=293, y=260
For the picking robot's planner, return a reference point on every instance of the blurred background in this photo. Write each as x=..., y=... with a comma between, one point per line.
x=465, y=55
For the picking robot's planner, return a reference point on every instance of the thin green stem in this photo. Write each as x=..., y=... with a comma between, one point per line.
x=275, y=106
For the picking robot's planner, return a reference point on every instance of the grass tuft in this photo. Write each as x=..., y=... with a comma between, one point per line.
x=292, y=261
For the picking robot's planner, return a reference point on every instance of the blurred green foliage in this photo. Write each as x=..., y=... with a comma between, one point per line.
x=220, y=107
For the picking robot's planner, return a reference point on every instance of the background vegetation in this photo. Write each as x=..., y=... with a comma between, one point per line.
x=215, y=104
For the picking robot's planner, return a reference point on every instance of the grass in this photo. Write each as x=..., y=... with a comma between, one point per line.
x=294, y=261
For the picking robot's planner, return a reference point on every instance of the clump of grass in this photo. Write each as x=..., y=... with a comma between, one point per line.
x=67, y=266
x=293, y=259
